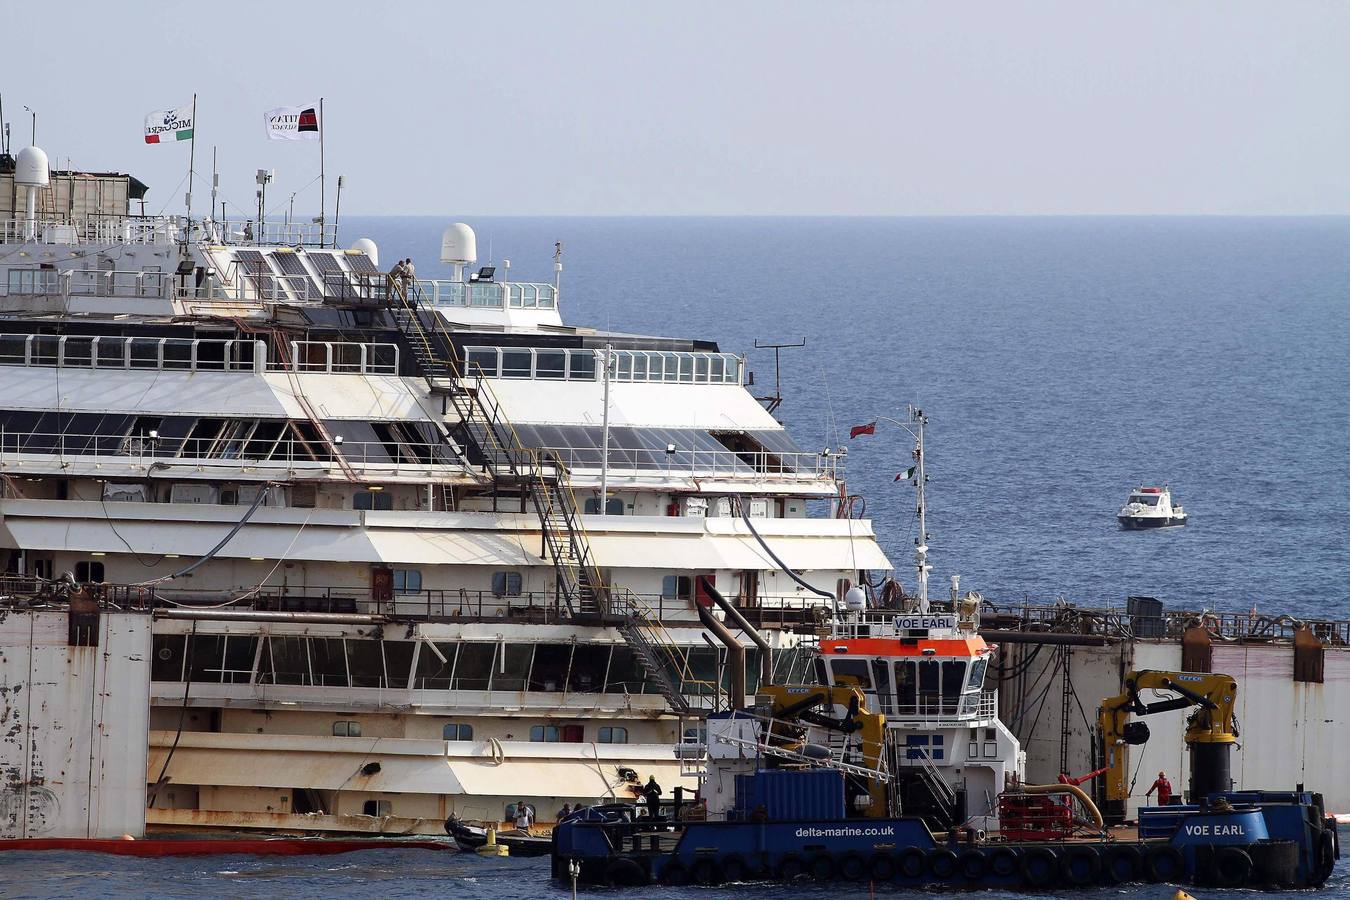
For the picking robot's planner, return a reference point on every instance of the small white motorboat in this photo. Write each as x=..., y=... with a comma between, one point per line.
x=1150, y=507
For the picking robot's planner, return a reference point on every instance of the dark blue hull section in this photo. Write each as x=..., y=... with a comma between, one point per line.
x=1266, y=845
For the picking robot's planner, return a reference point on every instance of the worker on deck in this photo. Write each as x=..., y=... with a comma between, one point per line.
x=652, y=791
x=1164, y=789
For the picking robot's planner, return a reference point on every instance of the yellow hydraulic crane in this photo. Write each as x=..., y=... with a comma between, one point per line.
x=1211, y=730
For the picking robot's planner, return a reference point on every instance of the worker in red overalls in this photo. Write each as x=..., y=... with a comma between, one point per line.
x=1164, y=789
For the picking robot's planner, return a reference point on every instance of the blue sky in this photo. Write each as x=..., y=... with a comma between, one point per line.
x=696, y=108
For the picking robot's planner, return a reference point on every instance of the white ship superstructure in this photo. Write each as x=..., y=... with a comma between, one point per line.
x=407, y=548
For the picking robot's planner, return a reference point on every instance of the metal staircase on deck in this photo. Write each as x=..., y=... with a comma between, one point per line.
x=655, y=651
x=506, y=460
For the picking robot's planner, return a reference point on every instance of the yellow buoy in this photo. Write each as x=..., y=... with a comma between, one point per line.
x=492, y=848
x=1182, y=895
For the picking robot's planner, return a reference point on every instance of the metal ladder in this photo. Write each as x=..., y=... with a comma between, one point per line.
x=505, y=457
x=656, y=652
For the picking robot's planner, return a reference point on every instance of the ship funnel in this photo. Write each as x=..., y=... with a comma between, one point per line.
x=31, y=173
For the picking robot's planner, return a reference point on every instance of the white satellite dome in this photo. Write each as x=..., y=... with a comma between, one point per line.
x=30, y=167
x=855, y=600
x=369, y=248
x=459, y=245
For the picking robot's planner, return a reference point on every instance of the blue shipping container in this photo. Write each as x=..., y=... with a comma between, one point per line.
x=810, y=795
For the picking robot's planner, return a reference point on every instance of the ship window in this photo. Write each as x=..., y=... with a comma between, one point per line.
x=613, y=734
x=581, y=365
x=398, y=662
x=1146, y=499
x=549, y=672
x=432, y=674
x=881, y=674
x=365, y=663
x=613, y=506
x=167, y=664
x=517, y=363
x=285, y=661
x=506, y=584
x=589, y=662
x=474, y=666
x=677, y=587
x=407, y=581
x=512, y=668
x=554, y=734
x=347, y=729
x=327, y=659
x=86, y=572
x=372, y=500
x=457, y=731
x=906, y=687
x=550, y=364
x=851, y=673
x=485, y=358
x=378, y=808
x=953, y=679
x=977, y=669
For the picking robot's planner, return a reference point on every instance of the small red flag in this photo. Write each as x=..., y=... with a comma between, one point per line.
x=869, y=428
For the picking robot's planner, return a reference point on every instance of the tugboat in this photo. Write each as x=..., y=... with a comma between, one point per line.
x=812, y=784
x=1150, y=507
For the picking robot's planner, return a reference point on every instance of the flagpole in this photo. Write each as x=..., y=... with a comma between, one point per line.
x=323, y=201
x=192, y=159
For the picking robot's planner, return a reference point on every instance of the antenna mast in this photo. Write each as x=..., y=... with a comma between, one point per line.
x=775, y=399
x=919, y=420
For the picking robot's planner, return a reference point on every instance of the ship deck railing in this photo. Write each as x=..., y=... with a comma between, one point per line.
x=271, y=455
x=431, y=604
x=136, y=230
x=1171, y=624
x=643, y=462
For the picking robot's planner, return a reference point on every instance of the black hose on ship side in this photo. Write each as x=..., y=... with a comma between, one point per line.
x=745, y=514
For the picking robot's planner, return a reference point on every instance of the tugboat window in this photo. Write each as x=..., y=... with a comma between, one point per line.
x=852, y=672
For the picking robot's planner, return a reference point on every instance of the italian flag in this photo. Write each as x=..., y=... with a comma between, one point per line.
x=907, y=474
x=168, y=125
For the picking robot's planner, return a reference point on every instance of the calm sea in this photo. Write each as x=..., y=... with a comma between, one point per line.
x=1061, y=363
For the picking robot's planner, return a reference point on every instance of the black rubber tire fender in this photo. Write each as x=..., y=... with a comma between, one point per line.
x=851, y=866
x=821, y=867
x=1326, y=858
x=881, y=867
x=911, y=863
x=1231, y=867
x=1004, y=862
x=675, y=874
x=706, y=871
x=625, y=872
x=734, y=868
x=791, y=867
x=972, y=863
x=1164, y=863
x=1040, y=866
x=1122, y=864
x=1080, y=864
x=941, y=864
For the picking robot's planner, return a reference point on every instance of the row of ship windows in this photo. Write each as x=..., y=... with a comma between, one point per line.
x=546, y=734
x=193, y=354
x=676, y=367
x=467, y=665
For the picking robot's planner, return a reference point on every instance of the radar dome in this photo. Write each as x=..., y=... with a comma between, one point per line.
x=459, y=245
x=855, y=600
x=30, y=167
x=367, y=246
